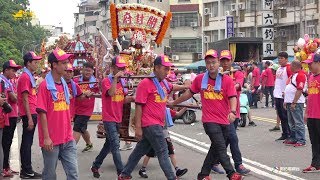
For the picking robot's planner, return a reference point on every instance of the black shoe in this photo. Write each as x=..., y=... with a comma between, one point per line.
x=143, y=173
x=252, y=124
x=30, y=175
x=181, y=172
x=95, y=172
x=275, y=129
x=281, y=138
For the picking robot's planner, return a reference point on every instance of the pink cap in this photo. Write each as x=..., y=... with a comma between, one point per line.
x=119, y=62
x=163, y=60
x=211, y=53
x=70, y=68
x=61, y=55
x=225, y=54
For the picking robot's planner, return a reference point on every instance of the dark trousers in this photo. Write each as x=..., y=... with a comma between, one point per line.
x=282, y=113
x=269, y=90
x=314, y=134
x=255, y=97
x=26, y=143
x=218, y=150
x=8, y=132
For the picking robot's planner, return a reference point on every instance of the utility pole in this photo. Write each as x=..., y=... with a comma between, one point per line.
x=302, y=28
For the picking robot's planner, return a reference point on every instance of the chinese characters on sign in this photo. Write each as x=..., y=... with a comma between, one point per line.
x=267, y=19
x=267, y=4
x=229, y=26
x=268, y=33
x=268, y=49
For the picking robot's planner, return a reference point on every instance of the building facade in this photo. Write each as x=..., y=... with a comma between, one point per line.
x=291, y=20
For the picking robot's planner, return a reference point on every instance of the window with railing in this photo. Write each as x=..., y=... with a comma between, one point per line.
x=185, y=45
x=311, y=28
x=184, y=19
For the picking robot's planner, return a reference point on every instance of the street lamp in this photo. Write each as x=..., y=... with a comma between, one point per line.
x=22, y=50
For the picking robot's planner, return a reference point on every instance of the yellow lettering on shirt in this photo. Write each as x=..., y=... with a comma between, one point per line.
x=84, y=87
x=211, y=95
x=119, y=96
x=60, y=104
x=34, y=91
x=157, y=98
x=314, y=87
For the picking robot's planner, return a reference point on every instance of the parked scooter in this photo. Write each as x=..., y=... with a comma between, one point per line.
x=188, y=115
x=244, y=109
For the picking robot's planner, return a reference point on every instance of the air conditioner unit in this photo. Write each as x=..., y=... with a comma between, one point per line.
x=228, y=13
x=175, y=57
x=206, y=11
x=199, y=56
x=241, y=34
x=194, y=24
x=242, y=6
x=206, y=39
x=233, y=7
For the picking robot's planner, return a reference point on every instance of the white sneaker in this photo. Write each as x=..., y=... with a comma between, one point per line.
x=126, y=147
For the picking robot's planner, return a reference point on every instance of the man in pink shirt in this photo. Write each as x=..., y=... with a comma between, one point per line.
x=312, y=112
x=55, y=130
x=9, y=70
x=113, y=97
x=27, y=102
x=150, y=116
x=255, y=84
x=84, y=107
x=268, y=83
x=219, y=102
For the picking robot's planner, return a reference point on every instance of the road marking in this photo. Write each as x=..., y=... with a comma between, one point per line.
x=15, y=152
x=193, y=144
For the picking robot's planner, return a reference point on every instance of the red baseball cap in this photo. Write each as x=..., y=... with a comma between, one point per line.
x=30, y=56
x=211, y=53
x=312, y=58
x=163, y=60
x=70, y=68
x=225, y=54
x=10, y=64
x=119, y=62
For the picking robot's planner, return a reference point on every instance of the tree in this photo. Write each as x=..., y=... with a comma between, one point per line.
x=17, y=33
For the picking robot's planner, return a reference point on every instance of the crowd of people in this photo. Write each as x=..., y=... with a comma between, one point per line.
x=57, y=98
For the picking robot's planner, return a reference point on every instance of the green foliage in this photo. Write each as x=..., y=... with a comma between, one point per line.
x=17, y=34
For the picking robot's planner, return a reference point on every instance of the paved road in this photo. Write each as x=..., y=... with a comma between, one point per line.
x=259, y=150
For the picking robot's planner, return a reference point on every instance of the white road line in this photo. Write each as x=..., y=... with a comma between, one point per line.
x=15, y=152
x=184, y=140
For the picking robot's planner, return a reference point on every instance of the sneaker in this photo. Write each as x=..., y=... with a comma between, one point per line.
x=12, y=171
x=311, y=169
x=122, y=177
x=215, y=169
x=87, y=148
x=6, y=173
x=95, y=172
x=289, y=143
x=31, y=175
x=181, y=172
x=236, y=176
x=143, y=173
x=242, y=170
x=252, y=124
x=299, y=145
x=126, y=147
x=275, y=129
x=281, y=138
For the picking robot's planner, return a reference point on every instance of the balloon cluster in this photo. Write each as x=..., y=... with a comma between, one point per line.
x=305, y=46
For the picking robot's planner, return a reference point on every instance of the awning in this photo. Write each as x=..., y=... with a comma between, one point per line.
x=195, y=65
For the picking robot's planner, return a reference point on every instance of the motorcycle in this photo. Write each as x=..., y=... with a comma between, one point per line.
x=188, y=115
x=244, y=109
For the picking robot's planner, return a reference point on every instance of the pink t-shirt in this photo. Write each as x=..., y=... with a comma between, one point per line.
x=313, y=97
x=238, y=78
x=215, y=106
x=256, y=74
x=58, y=115
x=112, y=107
x=24, y=85
x=153, y=107
x=269, y=77
x=85, y=106
x=73, y=99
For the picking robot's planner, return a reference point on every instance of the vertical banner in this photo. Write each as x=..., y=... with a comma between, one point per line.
x=268, y=49
x=229, y=27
